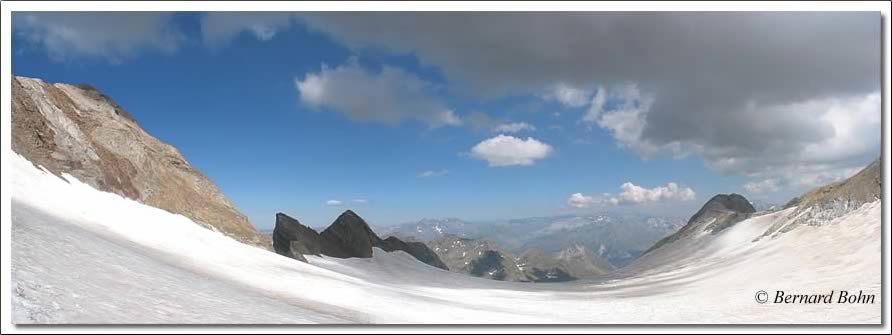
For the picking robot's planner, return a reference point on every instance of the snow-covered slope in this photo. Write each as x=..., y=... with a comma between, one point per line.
x=84, y=256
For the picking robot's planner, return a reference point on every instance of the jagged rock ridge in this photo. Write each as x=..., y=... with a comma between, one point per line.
x=348, y=236
x=75, y=129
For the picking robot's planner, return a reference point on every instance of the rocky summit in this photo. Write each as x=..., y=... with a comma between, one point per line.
x=719, y=213
x=79, y=131
x=348, y=236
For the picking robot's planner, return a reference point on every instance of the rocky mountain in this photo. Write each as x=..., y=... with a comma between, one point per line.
x=77, y=130
x=479, y=258
x=483, y=258
x=719, y=213
x=823, y=204
x=348, y=236
x=571, y=263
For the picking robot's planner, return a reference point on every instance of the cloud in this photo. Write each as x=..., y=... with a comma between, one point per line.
x=579, y=200
x=801, y=177
x=360, y=201
x=767, y=185
x=626, y=119
x=513, y=127
x=505, y=150
x=793, y=146
x=433, y=173
x=388, y=96
x=219, y=28
x=111, y=36
x=334, y=202
x=596, y=108
x=632, y=194
x=536, y=52
x=482, y=121
x=568, y=95
x=755, y=94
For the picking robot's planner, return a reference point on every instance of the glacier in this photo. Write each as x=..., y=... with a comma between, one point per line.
x=81, y=256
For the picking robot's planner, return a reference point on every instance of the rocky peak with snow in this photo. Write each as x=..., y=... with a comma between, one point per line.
x=77, y=130
x=722, y=203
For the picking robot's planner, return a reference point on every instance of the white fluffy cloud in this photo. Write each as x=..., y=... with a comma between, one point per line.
x=334, y=202
x=632, y=194
x=433, y=173
x=219, y=28
x=505, y=150
x=388, y=96
x=579, y=200
x=626, y=119
x=113, y=36
x=513, y=127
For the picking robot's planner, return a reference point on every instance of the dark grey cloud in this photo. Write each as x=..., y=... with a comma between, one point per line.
x=219, y=28
x=751, y=92
x=389, y=96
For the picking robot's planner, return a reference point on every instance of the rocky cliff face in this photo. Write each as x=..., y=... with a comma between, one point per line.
x=349, y=236
x=77, y=130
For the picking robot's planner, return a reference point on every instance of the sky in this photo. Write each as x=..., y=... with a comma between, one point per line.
x=483, y=116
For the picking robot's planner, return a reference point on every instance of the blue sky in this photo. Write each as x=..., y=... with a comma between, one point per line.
x=313, y=115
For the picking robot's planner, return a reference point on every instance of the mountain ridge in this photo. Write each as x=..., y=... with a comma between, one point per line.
x=348, y=236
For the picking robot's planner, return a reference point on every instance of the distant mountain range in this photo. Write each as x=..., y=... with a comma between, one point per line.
x=616, y=238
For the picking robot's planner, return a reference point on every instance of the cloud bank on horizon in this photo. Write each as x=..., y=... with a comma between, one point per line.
x=780, y=99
